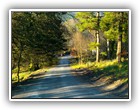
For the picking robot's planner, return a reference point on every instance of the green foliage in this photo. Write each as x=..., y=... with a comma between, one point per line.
x=111, y=34
x=115, y=28
x=93, y=45
x=37, y=36
x=110, y=25
x=103, y=53
x=87, y=21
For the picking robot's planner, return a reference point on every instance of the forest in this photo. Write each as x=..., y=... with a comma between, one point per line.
x=96, y=41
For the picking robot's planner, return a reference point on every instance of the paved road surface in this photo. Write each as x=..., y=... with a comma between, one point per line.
x=58, y=82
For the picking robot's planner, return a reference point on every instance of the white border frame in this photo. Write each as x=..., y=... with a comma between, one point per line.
x=70, y=10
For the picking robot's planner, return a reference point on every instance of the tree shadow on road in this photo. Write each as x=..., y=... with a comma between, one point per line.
x=109, y=79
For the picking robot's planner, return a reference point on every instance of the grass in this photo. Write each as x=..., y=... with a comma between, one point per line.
x=25, y=72
x=108, y=68
x=76, y=66
x=24, y=75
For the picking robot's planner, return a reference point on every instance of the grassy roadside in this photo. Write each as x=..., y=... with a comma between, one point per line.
x=26, y=72
x=107, y=68
x=106, y=75
x=24, y=75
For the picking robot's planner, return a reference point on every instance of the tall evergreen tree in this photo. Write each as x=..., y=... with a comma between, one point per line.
x=115, y=27
x=37, y=34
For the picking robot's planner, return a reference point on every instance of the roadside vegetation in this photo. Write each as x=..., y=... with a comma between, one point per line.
x=108, y=68
x=37, y=40
x=24, y=75
x=106, y=75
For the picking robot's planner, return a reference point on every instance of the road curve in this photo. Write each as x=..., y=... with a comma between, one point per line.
x=58, y=83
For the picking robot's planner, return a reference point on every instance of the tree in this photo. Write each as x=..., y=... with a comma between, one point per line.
x=115, y=27
x=36, y=36
x=109, y=32
x=89, y=21
x=19, y=36
x=78, y=42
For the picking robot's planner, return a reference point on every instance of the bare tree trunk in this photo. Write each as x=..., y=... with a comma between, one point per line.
x=119, y=46
x=98, y=41
x=97, y=48
x=108, y=50
x=19, y=59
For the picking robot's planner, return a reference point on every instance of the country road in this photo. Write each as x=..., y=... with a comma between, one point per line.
x=60, y=83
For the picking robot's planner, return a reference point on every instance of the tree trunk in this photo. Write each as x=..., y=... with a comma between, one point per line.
x=98, y=41
x=119, y=46
x=19, y=59
x=112, y=47
x=108, y=50
x=97, y=48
